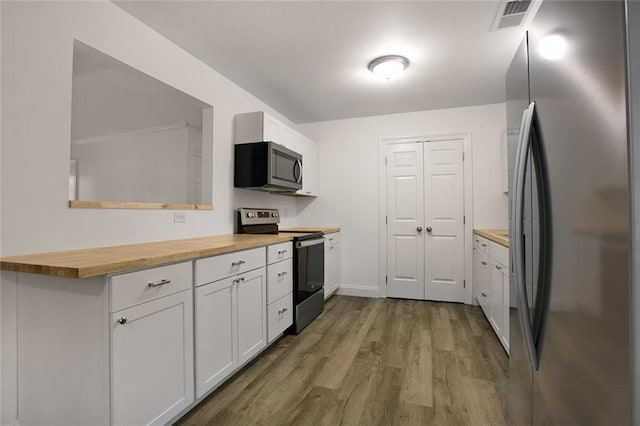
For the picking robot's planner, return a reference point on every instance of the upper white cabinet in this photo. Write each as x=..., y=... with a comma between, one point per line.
x=310, y=166
x=259, y=126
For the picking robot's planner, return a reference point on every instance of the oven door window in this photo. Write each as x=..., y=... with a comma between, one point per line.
x=310, y=271
x=285, y=167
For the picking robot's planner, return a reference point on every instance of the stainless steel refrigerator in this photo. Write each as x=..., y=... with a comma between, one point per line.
x=570, y=120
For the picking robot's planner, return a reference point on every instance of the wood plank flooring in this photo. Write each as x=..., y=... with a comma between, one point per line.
x=371, y=362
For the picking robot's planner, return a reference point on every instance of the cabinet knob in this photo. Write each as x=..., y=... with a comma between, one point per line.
x=419, y=228
x=238, y=280
x=429, y=229
x=238, y=263
x=282, y=311
x=484, y=294
x=484, y=263
x=498, y=267
x=282, y=274
x=122, y=320
x=281, y=252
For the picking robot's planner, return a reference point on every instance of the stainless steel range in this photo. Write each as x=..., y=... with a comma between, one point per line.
x=308, y=263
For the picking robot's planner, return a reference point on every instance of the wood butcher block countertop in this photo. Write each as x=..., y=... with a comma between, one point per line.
x=500, y=236
x=316, y=229
x=108, y=260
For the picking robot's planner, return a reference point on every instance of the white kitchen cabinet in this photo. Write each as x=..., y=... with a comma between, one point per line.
x=216, y=335
x=496, y=316
x=310, y=166
x=279, y=289
x=252, y=314
x=152, y=360
x=259, y=126
x=331, y=264
x=491, y=284
x=230, y=326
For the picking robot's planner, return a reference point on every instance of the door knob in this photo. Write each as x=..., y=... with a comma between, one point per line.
x=429, y=229
x=419, y=228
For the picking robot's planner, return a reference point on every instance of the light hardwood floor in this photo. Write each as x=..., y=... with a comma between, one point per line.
x=371, y=362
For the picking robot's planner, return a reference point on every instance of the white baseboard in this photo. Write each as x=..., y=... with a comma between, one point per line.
x=359, y=290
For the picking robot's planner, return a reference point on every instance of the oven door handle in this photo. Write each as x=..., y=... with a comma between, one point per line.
x=308, y=243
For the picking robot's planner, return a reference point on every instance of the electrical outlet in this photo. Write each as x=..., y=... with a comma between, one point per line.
x=179, y=217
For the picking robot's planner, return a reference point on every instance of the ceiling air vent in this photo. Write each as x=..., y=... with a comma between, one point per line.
x=514, y=13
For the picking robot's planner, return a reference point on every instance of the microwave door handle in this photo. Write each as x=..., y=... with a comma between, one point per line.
x=298, y=177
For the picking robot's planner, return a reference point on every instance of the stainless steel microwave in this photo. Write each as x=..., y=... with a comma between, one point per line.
x=267, y=166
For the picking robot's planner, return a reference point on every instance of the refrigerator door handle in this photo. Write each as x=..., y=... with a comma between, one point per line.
x=518, y=211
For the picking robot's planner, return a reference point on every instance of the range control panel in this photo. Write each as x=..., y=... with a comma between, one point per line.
x=248, y=216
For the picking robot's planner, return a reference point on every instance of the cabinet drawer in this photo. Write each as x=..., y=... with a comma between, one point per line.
x=278, y=252
x=279, y=280
x=133, y=288
x=225, y=265
x=280, y=314
x=482, y=243
x=332, y=240
x=500, y=253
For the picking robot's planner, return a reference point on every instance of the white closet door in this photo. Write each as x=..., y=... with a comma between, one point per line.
x=444, y=213
x=405, y=200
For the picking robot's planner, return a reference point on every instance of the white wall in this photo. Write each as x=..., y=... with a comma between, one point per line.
x=349, y=187
x=37, y=51
x=144, y=167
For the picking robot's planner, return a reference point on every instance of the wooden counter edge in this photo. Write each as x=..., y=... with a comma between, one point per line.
x=491, y=234
x=129, y=265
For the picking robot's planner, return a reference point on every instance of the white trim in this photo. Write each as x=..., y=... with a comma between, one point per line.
x=468, y=206
x=152, y=129
x=358, y=290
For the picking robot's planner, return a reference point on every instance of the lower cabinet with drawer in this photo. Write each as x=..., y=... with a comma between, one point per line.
x=491, y=284
x=230, y=317
x=279, y=290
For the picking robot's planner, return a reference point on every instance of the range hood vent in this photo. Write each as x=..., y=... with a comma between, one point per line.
x=514, y=13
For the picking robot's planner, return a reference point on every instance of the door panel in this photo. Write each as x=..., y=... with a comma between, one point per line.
x=405, y=245
x=444, y=211
x=252, y=315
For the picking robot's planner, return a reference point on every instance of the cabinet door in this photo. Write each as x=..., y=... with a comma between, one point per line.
x=484, y=282
x=505, y=309
x=271, y=129
x=216, y=334
x=312, y=168
x=252, y=305
x=152, y=360
x=288, y=138
x=497, y=302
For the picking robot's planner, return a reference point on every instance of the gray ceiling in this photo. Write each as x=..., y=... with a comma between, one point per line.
x=308, y=59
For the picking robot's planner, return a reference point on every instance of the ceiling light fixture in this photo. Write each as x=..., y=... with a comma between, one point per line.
x=553, y=47
x=389, y=66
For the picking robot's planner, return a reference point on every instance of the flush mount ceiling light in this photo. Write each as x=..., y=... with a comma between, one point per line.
x=389, y=66
x=553, y=47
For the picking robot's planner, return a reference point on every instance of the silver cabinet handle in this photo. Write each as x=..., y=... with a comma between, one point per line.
x=484, y=294
x=484, y=263
x=483, y=245
x=282, y=274
x=419, y=229
x=238, y=263
x=429, y=229
x=281, y=252
x=122, y=320
x=282, y=311
x=238, y=280
x=159, y=283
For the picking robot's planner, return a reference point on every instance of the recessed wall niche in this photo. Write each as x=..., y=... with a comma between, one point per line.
x=136, y=142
